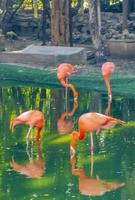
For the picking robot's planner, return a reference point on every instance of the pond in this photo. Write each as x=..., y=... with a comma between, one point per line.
x=45, y=169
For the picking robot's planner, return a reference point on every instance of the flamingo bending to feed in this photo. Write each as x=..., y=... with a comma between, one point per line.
x=63, y=72
x=107, y=69
x=33, y=118
x=92, y=122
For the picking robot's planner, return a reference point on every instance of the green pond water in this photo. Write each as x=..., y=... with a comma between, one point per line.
x=114, y=151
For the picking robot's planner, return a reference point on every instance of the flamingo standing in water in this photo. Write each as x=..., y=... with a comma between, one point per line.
x=33, y=118
x=107, y=69
x=63, y=72
x=92, y=122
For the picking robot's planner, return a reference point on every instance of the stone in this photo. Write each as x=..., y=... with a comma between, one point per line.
x=44, y=56
x=11, y=35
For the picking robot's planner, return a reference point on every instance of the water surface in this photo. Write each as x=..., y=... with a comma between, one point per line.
x=113, y=161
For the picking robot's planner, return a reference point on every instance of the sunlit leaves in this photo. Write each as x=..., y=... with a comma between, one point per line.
x=112, y=2
x=28, y=4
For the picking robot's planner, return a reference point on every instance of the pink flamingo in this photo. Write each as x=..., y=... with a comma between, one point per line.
x=107, y=69
x=63, y=72
x=31, y=118
x=92, y=122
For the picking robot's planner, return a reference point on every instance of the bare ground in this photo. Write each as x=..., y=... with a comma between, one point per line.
x=123, y=66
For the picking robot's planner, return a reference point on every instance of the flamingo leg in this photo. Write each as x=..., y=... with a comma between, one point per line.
x=92, y=144
x=27, y=148
x=31, y=134
x=28, y=134
x=97, y=132
x=92, y=165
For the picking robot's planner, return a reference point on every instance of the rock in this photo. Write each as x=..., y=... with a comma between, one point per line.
x=131, y=36
x=116, y=37
x=25, y=25
x=11, y=35
x=108, y=35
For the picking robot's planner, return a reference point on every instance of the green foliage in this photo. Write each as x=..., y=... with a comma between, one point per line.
x=28, y=4
x=112, y=2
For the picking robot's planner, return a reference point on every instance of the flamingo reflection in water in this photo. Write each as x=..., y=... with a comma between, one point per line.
x=34, y=168
x=33, y=118
x=92, y=122
x=106, y=70
x=90, y=186
x=65, y=125
x=63, y=72
x=108, y=108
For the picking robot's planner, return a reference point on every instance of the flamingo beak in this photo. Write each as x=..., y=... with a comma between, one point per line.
x=12, y=126
x=12, y=129
x=75, y=99
x=110, y=98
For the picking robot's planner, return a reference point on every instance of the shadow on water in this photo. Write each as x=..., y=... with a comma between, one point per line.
x=44, y=170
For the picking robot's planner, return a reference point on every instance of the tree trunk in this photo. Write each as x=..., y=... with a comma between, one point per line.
x=125, y=14
x=95, y=23
x=70, y=23
x=81, y=9
x=43, y=21
x=35, y=7
x=60, y=22
x=99, y=16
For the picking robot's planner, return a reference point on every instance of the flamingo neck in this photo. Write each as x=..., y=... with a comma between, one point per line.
x=38, y=134
x=78, y=135
x=65, y=84
x=69, y=114
x=107, y=82
x=15, y=122
x=107, y=111
x=75, y=93
x=63, y=116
